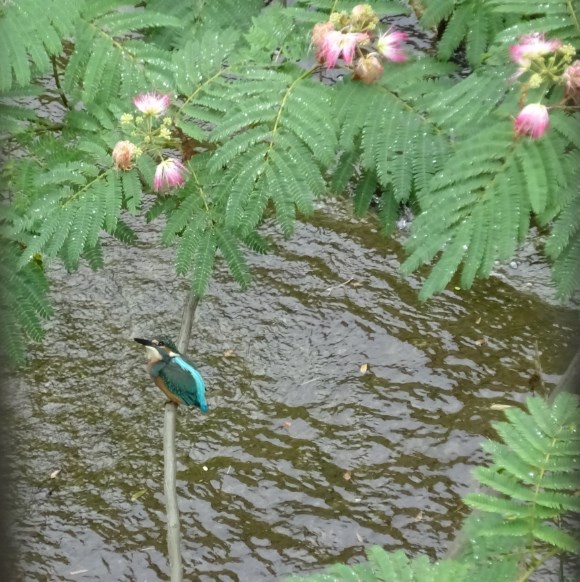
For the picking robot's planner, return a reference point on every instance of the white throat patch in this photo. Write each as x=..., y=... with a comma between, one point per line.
x=153, y=354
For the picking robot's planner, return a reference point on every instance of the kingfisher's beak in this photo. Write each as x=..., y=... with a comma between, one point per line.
x=144, y=342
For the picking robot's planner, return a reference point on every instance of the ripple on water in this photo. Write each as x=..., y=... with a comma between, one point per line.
x=308, y=460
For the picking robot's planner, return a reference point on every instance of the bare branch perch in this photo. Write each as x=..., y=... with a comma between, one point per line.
x=171, y=507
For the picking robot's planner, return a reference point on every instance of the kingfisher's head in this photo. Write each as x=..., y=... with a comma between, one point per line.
x=158, y=348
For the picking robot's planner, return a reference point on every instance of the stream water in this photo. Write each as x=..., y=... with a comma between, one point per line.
x=303, y=460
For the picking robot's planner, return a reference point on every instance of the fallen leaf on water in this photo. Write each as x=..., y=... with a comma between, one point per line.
x=347, y=476
x=205, y=468
x=54, y=474
x=419, y=516
x=500, y=406
x=478, y=320
x=138, y=494
x=364, y=368
x=286, y=424
x=229, y=353
x=480, y=342
x=78, y=572
x=356, y=284
x=359, y=538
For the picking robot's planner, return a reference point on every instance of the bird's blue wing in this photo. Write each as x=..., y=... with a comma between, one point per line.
x=199, y=383
x=185, y=382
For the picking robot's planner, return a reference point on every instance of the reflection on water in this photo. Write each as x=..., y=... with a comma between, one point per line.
x=302, y=460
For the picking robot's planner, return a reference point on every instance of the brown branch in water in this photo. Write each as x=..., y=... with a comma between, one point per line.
x=57, y=82
x=171, y=507
x=570, y=381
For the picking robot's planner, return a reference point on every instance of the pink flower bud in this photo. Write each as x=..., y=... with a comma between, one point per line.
x=368, y=69
x=532, y=120
x=168, y=174
x=389, y=45
x=571, y=77
x=319, y=32
x=123, y=153
x=152, y=104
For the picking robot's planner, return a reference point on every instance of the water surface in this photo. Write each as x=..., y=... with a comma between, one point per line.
x=303, y=460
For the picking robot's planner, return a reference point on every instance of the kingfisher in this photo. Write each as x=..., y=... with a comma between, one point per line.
x=173, y=373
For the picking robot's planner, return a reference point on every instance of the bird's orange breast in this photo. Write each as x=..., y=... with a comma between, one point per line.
x=161, y=385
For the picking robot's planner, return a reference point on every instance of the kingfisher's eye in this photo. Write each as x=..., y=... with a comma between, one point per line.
x=161, y=344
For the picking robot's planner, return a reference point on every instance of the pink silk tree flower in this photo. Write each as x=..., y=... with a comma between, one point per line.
x=531, y=46
x=571, y=78
x=389, y=45
x=123, y=153
x=168, y=174
x=338, y=43
x=152, y=104
x=319, y=32
x=532, y=120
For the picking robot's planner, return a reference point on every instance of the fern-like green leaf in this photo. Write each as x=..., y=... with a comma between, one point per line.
x=365, y=190
x=385, y=566
x=203, y=260
x=30, y=33
x=180, y=217
x=482, y=199
x=108, y=62
x=94, y=256
x=112, y=192
x=229, y=247
x=201, y=57
x=131, y=191
x=470, y=20
x=124, y=233
x=24, y=303
x=557, y=538
x=533, y=472
x=344, y=170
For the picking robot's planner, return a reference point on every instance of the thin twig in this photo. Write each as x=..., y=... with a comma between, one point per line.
x=331, y=289
x=57, y=82
x=171, y=507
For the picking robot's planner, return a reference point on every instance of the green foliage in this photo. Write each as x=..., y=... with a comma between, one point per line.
x=477, y=208
x=23, y=303
x=471, y=22
x=14, y=118
x=269, y=146
x=556, y=18
x=400, y=147
x=391, y=567
x=381, y=7
x=109, y=60
x=265, y=136
x=534, y=474
x=563, y=246
x=203, y=17
x=31, y=31
x=62, y=206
